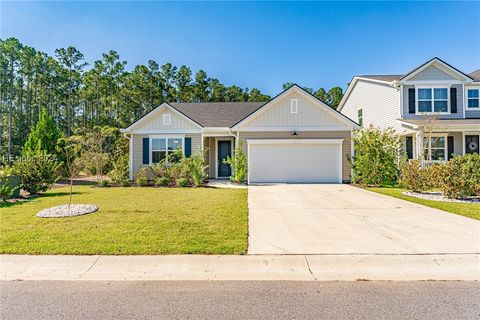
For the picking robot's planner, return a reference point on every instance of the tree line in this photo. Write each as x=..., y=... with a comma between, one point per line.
x=78, y=95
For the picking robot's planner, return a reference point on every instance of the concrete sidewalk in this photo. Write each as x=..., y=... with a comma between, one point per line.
x=253, y=267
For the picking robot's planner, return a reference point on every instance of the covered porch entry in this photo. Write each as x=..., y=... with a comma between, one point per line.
x=218, y=147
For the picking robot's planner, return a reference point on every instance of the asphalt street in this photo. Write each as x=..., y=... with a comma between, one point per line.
x=239, y=300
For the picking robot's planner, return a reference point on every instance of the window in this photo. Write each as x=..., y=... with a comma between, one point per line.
x=360, y=117
x=473, y=98
x=432, y=100
x=434, y=149
x=166, y=119
x=293, y=105
x=163, y=148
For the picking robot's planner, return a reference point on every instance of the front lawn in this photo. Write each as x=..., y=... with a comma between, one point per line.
x=465, y=209
x=130, y=221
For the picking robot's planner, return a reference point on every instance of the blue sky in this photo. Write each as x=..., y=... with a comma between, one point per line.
x=258, y=44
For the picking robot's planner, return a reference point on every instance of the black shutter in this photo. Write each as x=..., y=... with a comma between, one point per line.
x=409, y=147
x=411, y=100
x=146, y=151
x=453, y=100
x=450, y=147
x=188, y=147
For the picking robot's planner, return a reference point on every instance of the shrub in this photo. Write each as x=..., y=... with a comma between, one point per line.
x=417, y=178
x=376, y=158
x=6, y=189
x=120, y=169
x=43, y=137
x=193, y=168
x=104, y=183
x=461, y=176
x=38, y=172
x=142, y=177
x=125, y=183
x=182, y=182
x=162, y=181
x=160, y=170
x=238, y=163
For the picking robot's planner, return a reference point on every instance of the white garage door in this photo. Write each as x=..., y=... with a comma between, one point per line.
x=303, y=161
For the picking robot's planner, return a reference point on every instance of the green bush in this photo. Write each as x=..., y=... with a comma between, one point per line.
x=182, y=182
x=104, y=183
x=6, y=188
x=120, y=169
x=125, y=183
x=238, y=163
x=376, y=158
x=461, y=176
x=38, y=172
x=142, y=177
x=416, y=178
x=194, y=169
x=162, y=181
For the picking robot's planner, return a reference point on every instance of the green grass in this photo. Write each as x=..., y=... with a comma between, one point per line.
x=130, y=221
x=464, y=209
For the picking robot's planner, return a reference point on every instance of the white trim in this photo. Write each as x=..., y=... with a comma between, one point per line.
x=295, y=129
x=433, y=82
x=296, y=89
x=294, y=141
x=432, y=89
x=216, y=156
x=294, y=105
x=130, y=156
x=466, y=98
x=154, y=112
x=445, y=147
x=160, y=132
x=166, y=137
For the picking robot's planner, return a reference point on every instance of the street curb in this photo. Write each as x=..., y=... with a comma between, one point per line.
x=444, y=267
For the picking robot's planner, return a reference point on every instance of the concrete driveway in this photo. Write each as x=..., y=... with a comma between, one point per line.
x=342, y=219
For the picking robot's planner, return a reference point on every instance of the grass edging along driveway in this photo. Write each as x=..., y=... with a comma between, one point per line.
x=130, y=221
x=469, y=210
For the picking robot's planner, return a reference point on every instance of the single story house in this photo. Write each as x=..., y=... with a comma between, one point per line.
x=293, y=138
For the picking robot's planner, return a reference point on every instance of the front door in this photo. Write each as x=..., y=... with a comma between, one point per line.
x=224, y=150
x=471, y=144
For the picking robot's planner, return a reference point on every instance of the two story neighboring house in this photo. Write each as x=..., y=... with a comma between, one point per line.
x=435, y=107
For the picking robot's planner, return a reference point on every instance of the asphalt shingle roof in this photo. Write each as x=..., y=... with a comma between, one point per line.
x=475, y=75
x=383, y=77
x=217, y=114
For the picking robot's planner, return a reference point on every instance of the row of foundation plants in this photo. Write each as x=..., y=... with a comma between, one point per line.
x=175, y=170
x=457, y=178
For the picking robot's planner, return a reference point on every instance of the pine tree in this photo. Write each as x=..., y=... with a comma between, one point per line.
x=44, y=136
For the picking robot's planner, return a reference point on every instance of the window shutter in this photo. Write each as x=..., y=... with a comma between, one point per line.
x=450, y=147
x=453, y=100
x=411, y=100
x=188, y=147
x=409, y=147
x=146, y=151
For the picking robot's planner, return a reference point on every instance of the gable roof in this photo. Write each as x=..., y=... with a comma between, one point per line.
x=475, y=75
x=432, y=61
x=382, y=77
x=217, y=114
x=299, y=89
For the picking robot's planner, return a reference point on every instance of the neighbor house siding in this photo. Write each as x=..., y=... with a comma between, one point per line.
x=432, y=73
x=279, y=115
x=346, y=147
x=380, y=104
x=138, y=148
x=458, y=115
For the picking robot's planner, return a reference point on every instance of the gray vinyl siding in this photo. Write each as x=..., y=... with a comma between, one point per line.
x=138, y=148
x=346, y=147
x=457, y=142
x=432, y=73
x=458, y=115
x=472, y=114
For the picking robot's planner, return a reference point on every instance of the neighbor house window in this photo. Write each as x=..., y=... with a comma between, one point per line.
x=360, y=117
x=167, y=119
x=473, y=98
x=163, y=148
x=431, y=100
x=435, y=149
x=293, y=105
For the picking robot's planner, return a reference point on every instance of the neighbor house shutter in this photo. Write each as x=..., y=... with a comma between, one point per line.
x=411, y=100
x=409, y=147
x=146, y=151
x=450, y=147
x=453, y=100
x=188, y=147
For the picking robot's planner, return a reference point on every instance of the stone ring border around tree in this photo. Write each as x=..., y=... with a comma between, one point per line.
x=64, y=211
